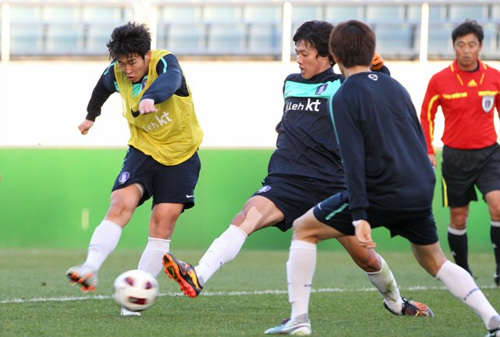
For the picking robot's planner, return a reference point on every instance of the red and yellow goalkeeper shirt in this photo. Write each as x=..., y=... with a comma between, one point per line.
x=468, y=101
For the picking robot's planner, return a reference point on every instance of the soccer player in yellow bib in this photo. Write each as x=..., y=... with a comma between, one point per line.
x=162, y=160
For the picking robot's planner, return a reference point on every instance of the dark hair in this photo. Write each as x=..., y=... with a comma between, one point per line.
x=468, y=27
x=316, y=33
x=353, y=43
x=129, y=39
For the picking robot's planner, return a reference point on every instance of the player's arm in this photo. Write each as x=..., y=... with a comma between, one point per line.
x=378, y=64
x=170, y=82
x=428, y=115
x=352, y=146
x=363, y=232
x=102, y=90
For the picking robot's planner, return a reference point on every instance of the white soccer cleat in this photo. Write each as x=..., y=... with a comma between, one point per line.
x=300, y=326
x=125, y=312
x=494, y=322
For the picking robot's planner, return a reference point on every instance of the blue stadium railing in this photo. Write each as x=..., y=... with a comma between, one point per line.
x=251, y=28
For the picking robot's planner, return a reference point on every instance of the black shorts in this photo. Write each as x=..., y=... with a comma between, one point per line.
x=295, y=195
x=418, y=227
x=464, y=169
x=166, y=184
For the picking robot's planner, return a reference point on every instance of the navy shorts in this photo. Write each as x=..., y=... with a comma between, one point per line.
x=418, y=227
x=464, y=169
x=295, y=195
x=166, y=184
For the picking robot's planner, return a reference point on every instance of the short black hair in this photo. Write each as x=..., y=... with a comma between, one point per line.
x=132, y=38
x=353, y=43
x=316, y=33
x=468, y=27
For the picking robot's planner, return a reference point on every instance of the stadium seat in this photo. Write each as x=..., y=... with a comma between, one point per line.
x=262, y=14
x=179, y=14
x=25, y=39
x=222, y=14
x=301, y=14
x=459, y=13
x=339, y=13
x=397, y=39
x=264, y=39
x=182, y=39
x=63, y=39
x=385, y=13
x=226, y=39
x=97, y=35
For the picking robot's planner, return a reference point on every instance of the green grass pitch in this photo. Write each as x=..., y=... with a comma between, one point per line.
x=247, y=296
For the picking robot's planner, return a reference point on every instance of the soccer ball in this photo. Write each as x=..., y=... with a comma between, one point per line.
x=136, y=290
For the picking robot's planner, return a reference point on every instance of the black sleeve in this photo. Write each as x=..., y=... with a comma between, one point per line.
x=169, y=82
x=384, y=70
x=348, y=125
x=102, y=90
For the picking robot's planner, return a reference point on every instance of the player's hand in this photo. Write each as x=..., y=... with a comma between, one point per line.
x=364, y=233
x=147, y=106
x=433, y=160
x=377, y=62
x=85, y=126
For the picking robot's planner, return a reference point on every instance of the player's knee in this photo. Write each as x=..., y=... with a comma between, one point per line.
x=368, y=262
x=120, y=211
x=459, y=221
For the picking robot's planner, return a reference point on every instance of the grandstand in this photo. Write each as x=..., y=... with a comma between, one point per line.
x=413, y=29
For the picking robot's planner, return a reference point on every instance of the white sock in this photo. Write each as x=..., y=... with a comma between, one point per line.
x=222, y=250
x=386, y=284
x=102, y=243
x=300, y=268
x=151, y=259
x=461, y=284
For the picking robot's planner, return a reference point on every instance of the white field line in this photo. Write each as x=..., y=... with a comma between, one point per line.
x=220, y=293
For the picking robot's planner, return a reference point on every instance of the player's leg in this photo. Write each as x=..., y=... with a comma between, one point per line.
x=380, y=275
x=301, y=266
x=161, y=229
x=258, y=212
x=457, y=236
x=460, y=171
x=488, y=182
x=458, y=281
x=106, y=236
x=493, y=201
x=334, y=212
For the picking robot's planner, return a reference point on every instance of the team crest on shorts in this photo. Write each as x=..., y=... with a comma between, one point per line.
x=264, y=189
x=488, y=103
x=124, y=176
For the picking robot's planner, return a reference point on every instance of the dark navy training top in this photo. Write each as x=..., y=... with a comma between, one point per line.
x=305, y=146
x=383, y=146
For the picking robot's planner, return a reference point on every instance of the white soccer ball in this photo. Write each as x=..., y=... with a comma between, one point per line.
x=136, y=290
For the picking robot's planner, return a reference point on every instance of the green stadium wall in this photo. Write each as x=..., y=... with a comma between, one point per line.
x=55, y=197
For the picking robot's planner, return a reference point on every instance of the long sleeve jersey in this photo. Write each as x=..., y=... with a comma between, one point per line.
x=382, y=145
x=305, y=146
x=170, y=81
x=172, y=134
x=468, y=101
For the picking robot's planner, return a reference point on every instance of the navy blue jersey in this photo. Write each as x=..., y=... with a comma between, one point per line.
x=170, y=81
x=383, y=146
x=305, y=146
